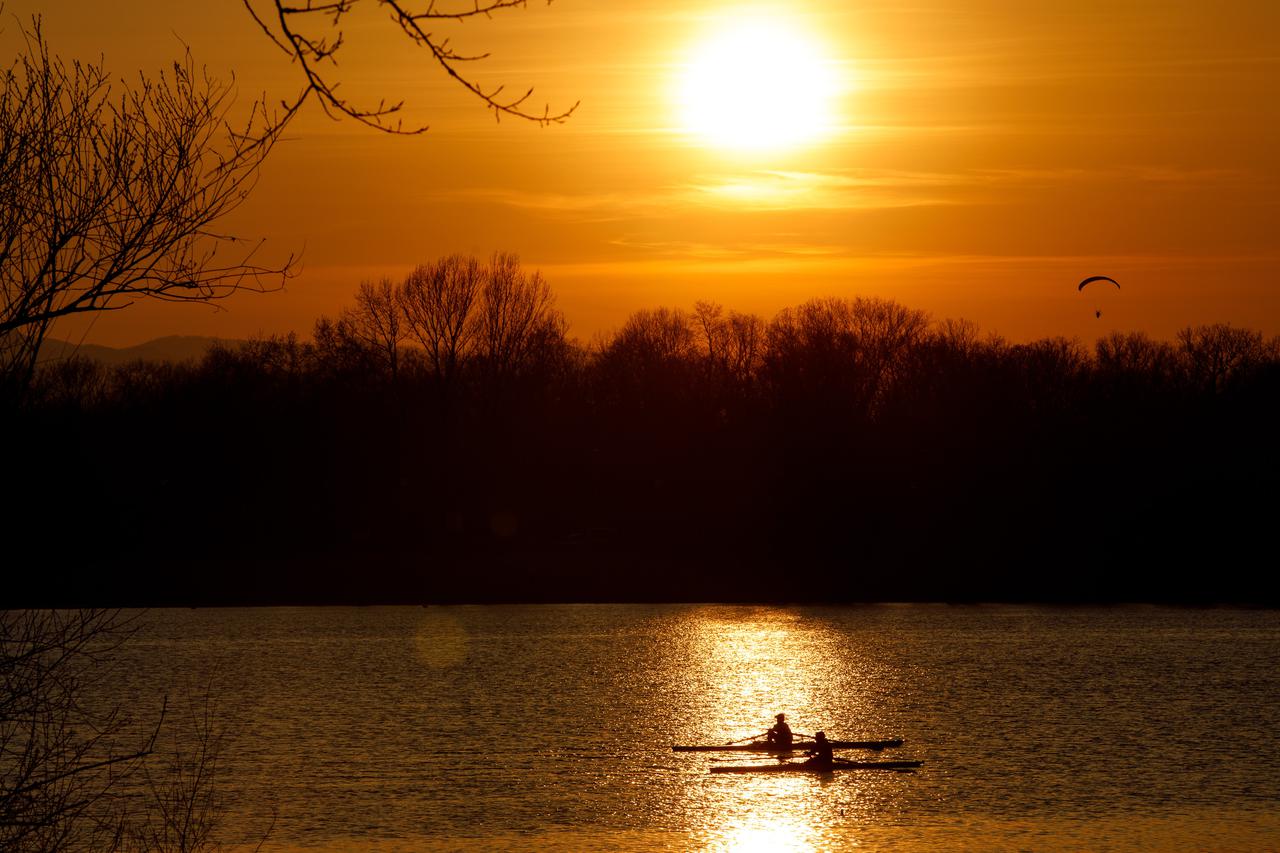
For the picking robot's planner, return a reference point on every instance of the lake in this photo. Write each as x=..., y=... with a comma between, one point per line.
x=545, y=727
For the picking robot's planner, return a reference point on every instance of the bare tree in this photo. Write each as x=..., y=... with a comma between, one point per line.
x=70, y=383
x=1051, y=371
x=495, y=317
x=310, y=33
x=1135, y=356
x=857, y=345
x=59, y=760
x=650, y=362
x=107, y=197
x=516, y=321
x=179, y=804
x=376, y=321
x=732, y=344
x=337, y=350
x=651, y=338
x=76, y=773
x=1217, y=354
x=708, y=320
x=744, y=344
x=438, y=300
x=958, y=335
x=886, y=332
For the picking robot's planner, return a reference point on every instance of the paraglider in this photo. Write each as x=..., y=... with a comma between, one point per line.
x=1097, y=313
x=1093, y=278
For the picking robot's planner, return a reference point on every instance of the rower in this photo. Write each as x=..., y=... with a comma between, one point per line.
x=780, y=734
x=820, y=755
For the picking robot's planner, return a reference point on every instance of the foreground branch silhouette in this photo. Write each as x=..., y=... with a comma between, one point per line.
x=310, y=33
x=110, y=195
x=75, y=776
x=58, y=762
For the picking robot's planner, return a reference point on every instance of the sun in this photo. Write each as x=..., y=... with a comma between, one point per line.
x=758, y=85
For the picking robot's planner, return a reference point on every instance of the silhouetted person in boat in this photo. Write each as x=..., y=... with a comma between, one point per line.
x=820, y=755
x=780, y=734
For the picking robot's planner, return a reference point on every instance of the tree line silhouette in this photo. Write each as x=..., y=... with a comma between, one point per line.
x=444, y=439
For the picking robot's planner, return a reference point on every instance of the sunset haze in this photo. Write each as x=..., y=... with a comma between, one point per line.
x=977, y=159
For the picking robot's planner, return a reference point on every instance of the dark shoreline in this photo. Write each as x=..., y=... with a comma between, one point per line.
x=352, y=580
x=860, y=453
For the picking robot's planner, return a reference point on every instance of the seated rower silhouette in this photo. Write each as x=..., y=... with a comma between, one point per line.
x=820, y=755
x=780, y=734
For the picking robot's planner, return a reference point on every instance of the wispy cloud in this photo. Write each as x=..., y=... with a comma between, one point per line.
x=847, y=189
x=743, y=191
x=819, y=190
x=692, y=259
x=729, y=251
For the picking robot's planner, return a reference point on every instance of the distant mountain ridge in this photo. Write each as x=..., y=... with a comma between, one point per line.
x=172, y=348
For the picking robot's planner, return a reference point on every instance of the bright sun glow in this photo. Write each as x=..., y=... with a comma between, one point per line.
x=759, y=85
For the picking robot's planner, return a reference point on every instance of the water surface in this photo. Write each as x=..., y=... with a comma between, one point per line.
x=550, y=727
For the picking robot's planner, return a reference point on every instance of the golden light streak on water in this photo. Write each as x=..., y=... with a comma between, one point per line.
x=776, y=836
x=1204, y=829
x=749, y=668
x=743, y=668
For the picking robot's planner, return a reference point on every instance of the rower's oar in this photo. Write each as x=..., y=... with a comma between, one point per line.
x=745, y=739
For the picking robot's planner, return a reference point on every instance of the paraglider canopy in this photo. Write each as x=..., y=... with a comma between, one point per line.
x=1098, y=278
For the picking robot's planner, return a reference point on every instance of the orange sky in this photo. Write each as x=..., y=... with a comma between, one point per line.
x=986, y=156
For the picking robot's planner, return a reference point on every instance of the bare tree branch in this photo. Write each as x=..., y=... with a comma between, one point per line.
x=437, y=301
x=108, y=197
x=58, y=759
x=316, y=56
x=376, y=322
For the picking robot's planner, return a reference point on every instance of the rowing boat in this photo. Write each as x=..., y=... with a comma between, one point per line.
x=805, y=767
x=765, y=746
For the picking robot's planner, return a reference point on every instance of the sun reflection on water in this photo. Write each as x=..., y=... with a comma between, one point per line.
x=745, y=666
x=781, y=836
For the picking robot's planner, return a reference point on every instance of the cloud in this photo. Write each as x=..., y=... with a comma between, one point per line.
x=748, y=250
x=775, y=190
x=746, y=191
x=848, y=189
